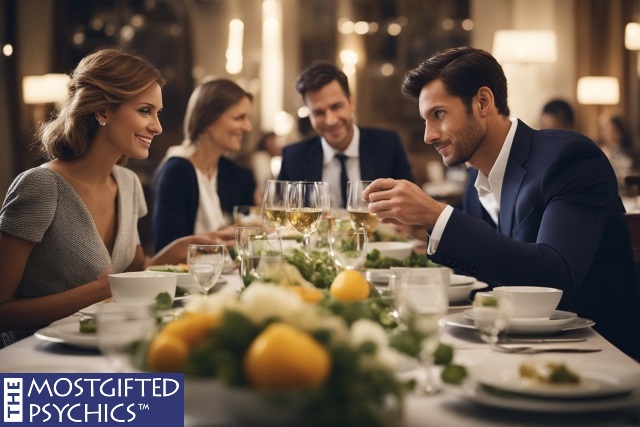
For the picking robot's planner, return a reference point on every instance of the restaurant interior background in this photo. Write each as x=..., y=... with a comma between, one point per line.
x=264, y=44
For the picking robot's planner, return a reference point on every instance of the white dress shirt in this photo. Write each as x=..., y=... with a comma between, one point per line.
x=489, y=190
x=331, y=166
x=209, y=216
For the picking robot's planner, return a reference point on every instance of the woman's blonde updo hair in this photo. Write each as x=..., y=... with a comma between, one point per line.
x=102, y=81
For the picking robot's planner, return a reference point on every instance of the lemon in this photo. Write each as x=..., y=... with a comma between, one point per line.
x=191, y=328
x=283, y=357
x=349, y=285
x=307, y=294
x=167, y=353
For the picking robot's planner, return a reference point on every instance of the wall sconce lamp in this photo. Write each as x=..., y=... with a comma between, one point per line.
x=45, y=89
x=632, y=36
x=597, y=90
x=525, y=46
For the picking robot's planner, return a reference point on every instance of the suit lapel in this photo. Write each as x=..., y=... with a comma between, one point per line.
x=514, y=175
x=367, y=157
x=314, y=161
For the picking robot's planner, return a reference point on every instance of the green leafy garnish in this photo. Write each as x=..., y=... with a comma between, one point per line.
x=88, y=325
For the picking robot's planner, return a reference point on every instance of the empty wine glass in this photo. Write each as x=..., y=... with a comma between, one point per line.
x=305, y=203
x=422, y=302
x=205, y=264
x=121, y=329
x=274, y=205
x=491, y=315
x=348, y=248
x=358, y=208
x=262, y=262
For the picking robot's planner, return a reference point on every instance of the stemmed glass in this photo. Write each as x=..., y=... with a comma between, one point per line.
x=422, y=302
x=244, y=235
x=263, y=260
x=358, y=208
x=205, y=264
x=274, y=205
x=305, y=203
x=120, y=330
x=348, y=248
x=491, y=315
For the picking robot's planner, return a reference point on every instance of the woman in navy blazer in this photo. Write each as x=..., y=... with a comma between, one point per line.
x=196, y=188
x=541, y=207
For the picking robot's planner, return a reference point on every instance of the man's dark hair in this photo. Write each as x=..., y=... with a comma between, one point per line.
x=463, y=71
x=562, y=110
x=320, y=74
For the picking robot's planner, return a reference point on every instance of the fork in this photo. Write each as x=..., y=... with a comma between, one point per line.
x=536, y=350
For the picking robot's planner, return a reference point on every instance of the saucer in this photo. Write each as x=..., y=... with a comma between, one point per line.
x=560, y=321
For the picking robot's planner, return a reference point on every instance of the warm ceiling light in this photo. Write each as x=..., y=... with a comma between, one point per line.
x=45, y=89
x=597, y=90
x=632, y=36
x=524, y=46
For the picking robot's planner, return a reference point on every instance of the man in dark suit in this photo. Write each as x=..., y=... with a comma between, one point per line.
x=541, y=207
x=369, y=153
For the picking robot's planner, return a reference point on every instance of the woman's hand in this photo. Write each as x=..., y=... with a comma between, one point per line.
x=176, y=251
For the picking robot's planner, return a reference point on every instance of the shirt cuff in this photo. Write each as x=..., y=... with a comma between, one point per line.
x=438, y=229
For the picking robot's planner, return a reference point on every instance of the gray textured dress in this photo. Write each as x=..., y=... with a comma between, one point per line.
x=42, y=207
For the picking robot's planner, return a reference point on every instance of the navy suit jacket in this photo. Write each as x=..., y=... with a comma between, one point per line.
x=381, y=156
x=177, y=198
x=561, y=225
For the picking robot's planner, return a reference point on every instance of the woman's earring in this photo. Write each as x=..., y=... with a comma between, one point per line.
x=102, y=123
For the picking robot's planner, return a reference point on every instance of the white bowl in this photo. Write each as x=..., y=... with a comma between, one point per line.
x=182, y=278
x=531, y=302
x=459, y=293
x=397, y=250
x=141, y=286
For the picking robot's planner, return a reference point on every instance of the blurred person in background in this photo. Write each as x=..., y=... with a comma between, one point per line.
x=265, y=160
x=362, y=153
x=617, y=143
x=67, y=224
x=557, y=114
x=197, y=187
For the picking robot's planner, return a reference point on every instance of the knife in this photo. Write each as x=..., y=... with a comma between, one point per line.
x=544, y=340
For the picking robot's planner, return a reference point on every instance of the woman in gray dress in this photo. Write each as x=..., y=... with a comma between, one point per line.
x=67, y=224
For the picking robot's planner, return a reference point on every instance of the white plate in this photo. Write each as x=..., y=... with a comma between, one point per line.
x=68, y=333
x=597, y=380
x=381, y=276
x=93, y=308
x=558, y=319
x=537, y=327
x=460, y=279
x=459, y=297
x=50, y=368
x=474, y=392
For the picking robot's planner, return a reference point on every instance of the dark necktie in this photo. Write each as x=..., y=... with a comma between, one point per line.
x=343, y=178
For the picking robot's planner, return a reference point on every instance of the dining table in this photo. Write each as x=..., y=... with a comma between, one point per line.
x=454, y=405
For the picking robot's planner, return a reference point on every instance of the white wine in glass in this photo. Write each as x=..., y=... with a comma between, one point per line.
x=358, y=208
x=305, y=204
x=274, y=213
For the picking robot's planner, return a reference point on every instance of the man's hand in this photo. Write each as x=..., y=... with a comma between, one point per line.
x=402, y=202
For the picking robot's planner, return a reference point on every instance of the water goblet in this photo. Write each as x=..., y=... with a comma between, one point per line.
x=422, y=302
x=121, y=329
x=262, y=257
x=348, y=248
x=305, y=202
x=491, y=315
x=358, y=208
x=205, y=264
x=274, y=205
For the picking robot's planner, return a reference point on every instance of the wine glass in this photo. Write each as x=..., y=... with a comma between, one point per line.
x=358, y=208
x=263, y=260
x=491, y=315
x=422, y=302
x=243, y=236
x=205, y=264
x=121, y=328
x=305, y=203
x=274, y=205
x=348, y=248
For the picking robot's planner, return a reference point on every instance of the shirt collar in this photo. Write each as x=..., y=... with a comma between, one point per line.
x=352, y=150
x=493, y=182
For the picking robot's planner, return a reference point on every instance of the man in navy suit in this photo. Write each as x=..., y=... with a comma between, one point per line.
x=370, y=153
x=540, y=208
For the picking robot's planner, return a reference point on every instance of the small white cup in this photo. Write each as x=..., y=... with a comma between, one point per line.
x=532, y=302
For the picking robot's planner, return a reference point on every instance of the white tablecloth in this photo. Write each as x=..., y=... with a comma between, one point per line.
x=444, y=409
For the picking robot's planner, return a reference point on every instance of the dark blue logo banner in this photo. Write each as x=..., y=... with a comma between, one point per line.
x=92, y=399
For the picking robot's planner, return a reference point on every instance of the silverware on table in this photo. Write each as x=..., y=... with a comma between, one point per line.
x=544, y=340
x=535, y=350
